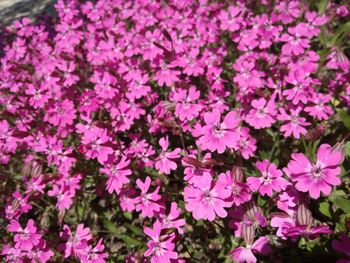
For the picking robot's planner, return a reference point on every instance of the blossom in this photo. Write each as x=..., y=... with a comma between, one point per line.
x=161, y=247
x=26, y=238
x=172, y=219
x=262, y=115
x=343, y=246
x=295, y=124
x=95, y=140
x=217, y=135
x=164, y=162
x=271, y=179
x=320, y=109
x=75, y=242
x=206, y=199
x=186, y=108
x=240, y=192
x=117, y=173
x=245, y=254
x=147, y=202
x=316, y=177
x=92, y=254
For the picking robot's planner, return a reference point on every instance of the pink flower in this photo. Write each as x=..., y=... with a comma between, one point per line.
x=320, y=109
x=26, y=238
x=217, y=135
x=295, y=124
x=172, y=219
x=117, y=174
x=161, y=247
x=342, y=245
x=164, y=162
x=240, y=192
x=245, y=254
x=296, y=40
x=76, y=242
x=61, y=113
x=318, y=177
x=147, y=202
x=231, y=19
x=206, y=199
x=311, y=232
x=301, y=85
x=271, y=179
x=95, y=141
x=185, y=107
x=40, y=253
x=91, y=254
x=262, y=115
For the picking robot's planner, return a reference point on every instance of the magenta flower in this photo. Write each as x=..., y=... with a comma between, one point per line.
x=186, y=108
x=262, y=115
x=271, y=179
x=95, y=140
x=217, y=135
x=164, y=162
x=161, y=247
x=147, y=202
x=320, y=109
x=316, y=177
x=343, y=246
x=117, y=174
x=75, y=242
x=296, y=40
x=206, y=199
x=172, y=219
x=26, y=238
x=245, y=254
x=92, y=254
x=295, y=124
x=301, y=85
x=240, y=192
x=40, y=253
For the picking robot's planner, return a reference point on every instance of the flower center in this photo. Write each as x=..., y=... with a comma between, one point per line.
x=316, y=171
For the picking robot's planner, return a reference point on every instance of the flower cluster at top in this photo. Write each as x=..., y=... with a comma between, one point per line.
x=176, y=131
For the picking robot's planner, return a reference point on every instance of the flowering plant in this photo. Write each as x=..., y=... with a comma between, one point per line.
x=176, y=131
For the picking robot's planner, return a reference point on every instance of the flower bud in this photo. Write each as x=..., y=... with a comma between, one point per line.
x=304, y=216
x=248, y=233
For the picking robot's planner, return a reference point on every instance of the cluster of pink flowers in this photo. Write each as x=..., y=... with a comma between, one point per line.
x=173, y=114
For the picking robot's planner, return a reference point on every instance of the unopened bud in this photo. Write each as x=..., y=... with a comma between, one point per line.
x=248, y=233
x=304, y=216
x=237, y=173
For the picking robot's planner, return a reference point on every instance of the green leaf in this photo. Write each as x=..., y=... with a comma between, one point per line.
x=127, y=215
x=137, y=231
x=324, y=208
x=345, y=118
x=342, y=202
x=129, y=241
x=111, y=227
x=347, y=149
x=321, y=6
